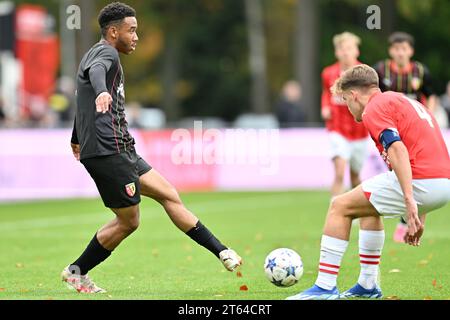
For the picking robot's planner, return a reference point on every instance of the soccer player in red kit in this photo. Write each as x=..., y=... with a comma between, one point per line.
x=348, y=139
x=410, y=141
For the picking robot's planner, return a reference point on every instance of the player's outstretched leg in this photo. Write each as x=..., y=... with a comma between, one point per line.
x=155, y=186
x=342, y=211
x=371, y=241
x=102, y=244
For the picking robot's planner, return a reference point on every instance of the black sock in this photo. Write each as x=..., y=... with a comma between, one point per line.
x=93, y=255
x=204, y=237
x=402, y=220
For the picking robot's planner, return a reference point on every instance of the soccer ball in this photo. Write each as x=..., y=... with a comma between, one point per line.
x=283, y=267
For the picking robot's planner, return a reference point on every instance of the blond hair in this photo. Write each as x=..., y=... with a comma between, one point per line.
x=345, y=36
x=360, y=76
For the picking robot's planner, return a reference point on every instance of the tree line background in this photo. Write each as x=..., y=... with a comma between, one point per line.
x=194, y=57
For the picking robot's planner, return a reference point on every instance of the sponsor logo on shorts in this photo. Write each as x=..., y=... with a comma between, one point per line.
x=130, y=189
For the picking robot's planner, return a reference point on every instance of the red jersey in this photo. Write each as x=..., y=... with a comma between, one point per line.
x=341, y=120
x=417, y=129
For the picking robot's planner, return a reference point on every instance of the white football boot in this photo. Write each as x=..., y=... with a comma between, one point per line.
x=82, y=284
x=230, y=259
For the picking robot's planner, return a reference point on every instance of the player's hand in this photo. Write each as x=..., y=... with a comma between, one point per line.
x=76, y=150
x=415, y=226
x=326, y=113
x=103, y=102
x=413, y=240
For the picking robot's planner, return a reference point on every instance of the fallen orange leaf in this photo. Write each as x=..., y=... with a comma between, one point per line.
x=239, y=274
x=243, y=288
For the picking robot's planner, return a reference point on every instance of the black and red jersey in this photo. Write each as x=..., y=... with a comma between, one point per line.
x=414, y=80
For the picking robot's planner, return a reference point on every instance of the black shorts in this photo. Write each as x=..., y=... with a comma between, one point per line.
x=117, y=177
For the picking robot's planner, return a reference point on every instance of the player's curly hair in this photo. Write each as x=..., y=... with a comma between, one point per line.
x=114, y=13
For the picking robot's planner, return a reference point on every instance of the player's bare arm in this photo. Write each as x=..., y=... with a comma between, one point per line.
x=399, y=159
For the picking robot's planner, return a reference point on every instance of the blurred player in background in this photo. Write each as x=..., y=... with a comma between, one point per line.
x=348, y=138
x=401, y=74
x=411, y=143
x=102, y=143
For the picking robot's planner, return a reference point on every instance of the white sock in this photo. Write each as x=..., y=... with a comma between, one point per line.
x=370, y=247
x=331, y=252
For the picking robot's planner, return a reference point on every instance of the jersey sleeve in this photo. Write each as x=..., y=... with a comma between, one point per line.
x=326, y=93
x=105, y=57
x=377, y=119
x=97, y=76
x=427, y=86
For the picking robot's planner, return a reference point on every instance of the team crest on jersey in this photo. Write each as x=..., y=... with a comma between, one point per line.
x=387, y=82
x=130, y=189
x=415, y=83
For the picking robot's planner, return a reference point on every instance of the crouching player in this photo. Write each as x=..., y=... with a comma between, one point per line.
x=410, y=142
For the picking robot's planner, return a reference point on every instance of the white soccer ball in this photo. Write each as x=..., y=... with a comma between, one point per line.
x=283, y=267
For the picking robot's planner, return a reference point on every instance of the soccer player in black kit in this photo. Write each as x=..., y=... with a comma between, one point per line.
x=102, y=143
x=412, y=78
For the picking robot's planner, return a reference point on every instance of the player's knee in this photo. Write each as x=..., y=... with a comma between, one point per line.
x=339, y=206
x=130, y=224
x=134, y=224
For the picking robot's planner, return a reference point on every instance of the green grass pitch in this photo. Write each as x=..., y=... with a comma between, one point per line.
x=159, y=262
